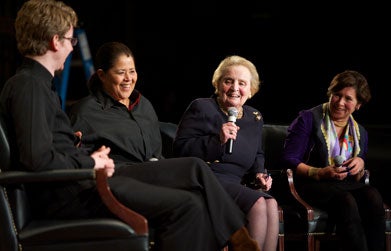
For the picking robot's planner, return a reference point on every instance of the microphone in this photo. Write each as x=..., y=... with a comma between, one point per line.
x=338, y=160
x=232, y=114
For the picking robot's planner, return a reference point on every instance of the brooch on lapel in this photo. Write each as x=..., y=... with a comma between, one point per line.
x=258, y=116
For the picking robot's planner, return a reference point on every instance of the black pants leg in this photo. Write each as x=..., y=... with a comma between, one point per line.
x=184, y=189
x=357, y=210
x=370, y=204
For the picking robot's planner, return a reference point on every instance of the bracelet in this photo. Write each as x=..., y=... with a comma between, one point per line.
x=313, y=173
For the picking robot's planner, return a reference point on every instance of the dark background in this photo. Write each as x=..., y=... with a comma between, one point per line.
x=297, y=47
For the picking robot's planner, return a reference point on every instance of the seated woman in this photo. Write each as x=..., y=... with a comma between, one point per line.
x=327, y=147
x=227, y=134
x=180, y=197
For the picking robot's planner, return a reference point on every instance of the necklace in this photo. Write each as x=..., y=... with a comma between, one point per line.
x=223, y=109
x=340, y=124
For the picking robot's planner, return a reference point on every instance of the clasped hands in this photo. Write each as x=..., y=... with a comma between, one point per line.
x=100, y=156
x=351, y=167
x=102, y=160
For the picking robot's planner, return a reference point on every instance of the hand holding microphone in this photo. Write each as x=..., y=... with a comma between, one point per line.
x=351, y=167
x=232, y=115
x=339, y=160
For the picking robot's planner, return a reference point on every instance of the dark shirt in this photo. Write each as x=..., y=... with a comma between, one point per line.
x=133, y=135
x=40, y=135
x=198, y=135
x=41, y=129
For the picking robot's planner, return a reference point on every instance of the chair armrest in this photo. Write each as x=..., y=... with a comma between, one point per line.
x=135, y=220
x=309, y=209
x=280, y=214
x=387, y=210
x=21, y=177
x=138, y=222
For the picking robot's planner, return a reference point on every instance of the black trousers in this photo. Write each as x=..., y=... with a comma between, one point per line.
x=356, y=208
x=182, y=200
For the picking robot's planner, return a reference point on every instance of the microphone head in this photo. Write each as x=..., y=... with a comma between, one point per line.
x=232, y=114
x=232, y=111
x=338, y=160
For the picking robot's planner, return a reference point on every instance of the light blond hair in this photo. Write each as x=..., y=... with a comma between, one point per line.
x=233, y=61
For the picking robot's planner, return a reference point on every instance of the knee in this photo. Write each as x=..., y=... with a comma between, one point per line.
x=374, y=197
x=262, y=205
x=198, y=166
x=195, y=162
x=259, y=206
x=194, y=204
x=198, y=162
x=272, y=204
x=190, y=209
x=375, y=201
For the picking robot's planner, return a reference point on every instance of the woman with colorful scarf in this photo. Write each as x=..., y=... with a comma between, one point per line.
x=327, y=148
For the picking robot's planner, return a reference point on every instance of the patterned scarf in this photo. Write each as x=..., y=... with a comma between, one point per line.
x=350, y=145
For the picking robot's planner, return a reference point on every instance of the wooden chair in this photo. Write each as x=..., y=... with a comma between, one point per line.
x=326, y=230
x=19, y=230
x=388, y=226
x=302, y=221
